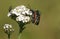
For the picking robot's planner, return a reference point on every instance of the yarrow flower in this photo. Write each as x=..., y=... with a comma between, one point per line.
x=8, y=28
x=22, y=12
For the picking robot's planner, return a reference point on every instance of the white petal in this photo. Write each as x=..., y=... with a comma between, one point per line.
x=9, y=14
x=10, y=26
x=23, y=13
x=7, y=27
x=4, y=27
x=23, y=21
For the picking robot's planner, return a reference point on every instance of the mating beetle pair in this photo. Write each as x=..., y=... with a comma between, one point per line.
x=35, y=17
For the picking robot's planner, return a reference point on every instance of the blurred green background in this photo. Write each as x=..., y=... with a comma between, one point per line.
x=49, y=27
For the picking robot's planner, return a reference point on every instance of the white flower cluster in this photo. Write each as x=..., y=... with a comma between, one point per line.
x=22, y=12
x=8, y=27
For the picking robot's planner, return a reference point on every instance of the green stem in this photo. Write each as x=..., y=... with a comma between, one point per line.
x=19, y=37
x=8, y=36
